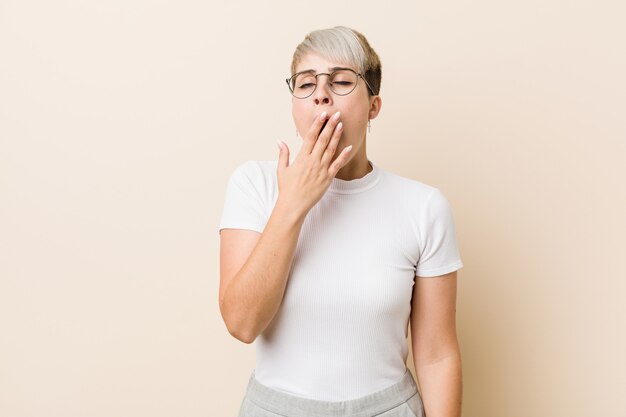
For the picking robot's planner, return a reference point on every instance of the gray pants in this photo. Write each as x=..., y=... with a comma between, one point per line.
x=401, y=399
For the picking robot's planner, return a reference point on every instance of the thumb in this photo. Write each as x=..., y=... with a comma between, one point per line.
x=283, y=157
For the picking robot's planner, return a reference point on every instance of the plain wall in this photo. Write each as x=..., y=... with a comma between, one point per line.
x=121, y=121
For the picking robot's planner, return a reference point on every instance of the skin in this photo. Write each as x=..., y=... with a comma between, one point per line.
x=436, y=352
x=254, y=267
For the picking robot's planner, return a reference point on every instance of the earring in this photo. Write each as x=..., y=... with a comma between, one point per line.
x=368, y=126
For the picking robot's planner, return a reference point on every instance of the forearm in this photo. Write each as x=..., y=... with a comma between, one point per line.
x=255, y=293
x=441, y=386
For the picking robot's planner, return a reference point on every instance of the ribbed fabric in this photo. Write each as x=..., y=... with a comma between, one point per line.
x=341, y=330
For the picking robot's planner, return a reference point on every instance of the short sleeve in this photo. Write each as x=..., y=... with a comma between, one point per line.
x=439, y=252
x=244, y=201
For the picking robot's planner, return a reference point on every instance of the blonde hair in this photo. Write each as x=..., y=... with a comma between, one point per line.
x=345, y=46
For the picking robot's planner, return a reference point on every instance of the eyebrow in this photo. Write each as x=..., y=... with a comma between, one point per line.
x=312, y=71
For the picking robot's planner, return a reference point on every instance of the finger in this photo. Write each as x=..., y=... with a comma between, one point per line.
x=325, y=135
x=283, y=156
x=311, y=136
x=330, y=150
x=341, y=160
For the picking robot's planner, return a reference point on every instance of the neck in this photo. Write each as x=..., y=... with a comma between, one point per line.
x=357, y=167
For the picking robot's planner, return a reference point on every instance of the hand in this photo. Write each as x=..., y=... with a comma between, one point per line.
x=303, y=183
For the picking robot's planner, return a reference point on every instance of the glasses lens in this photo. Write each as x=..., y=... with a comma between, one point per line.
x=342, y=82
x=302, y=85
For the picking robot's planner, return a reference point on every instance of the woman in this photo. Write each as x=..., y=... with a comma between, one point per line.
x=320, y=259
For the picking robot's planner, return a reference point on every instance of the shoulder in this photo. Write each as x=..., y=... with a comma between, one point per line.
x=256, y=178
x=257, y=168
x=257, y=172
x=424, y=204
x=249, y=167
x=415, y=192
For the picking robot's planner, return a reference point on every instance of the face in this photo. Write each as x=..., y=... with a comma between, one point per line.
x=356, y=107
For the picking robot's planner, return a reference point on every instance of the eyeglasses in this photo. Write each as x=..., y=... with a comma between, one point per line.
x=341, y=82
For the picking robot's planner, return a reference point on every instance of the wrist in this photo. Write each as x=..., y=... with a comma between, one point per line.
x=288, y=212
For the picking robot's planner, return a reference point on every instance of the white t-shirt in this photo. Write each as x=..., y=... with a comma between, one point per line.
x=341, y=330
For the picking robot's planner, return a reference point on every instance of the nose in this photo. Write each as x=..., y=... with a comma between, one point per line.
x=322, y=91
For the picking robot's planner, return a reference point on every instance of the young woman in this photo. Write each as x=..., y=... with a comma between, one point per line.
x=326, y=259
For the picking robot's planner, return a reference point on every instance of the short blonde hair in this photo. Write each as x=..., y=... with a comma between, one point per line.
x=345, y=46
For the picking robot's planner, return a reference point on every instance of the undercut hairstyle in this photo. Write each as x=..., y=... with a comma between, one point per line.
x=345, y=46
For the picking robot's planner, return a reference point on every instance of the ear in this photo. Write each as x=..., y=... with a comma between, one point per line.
x=375, y=104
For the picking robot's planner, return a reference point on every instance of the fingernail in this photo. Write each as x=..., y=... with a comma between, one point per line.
x=349, y=148
x=339, y=125
x=280, y=147
x=336, y=116
x=323, y=116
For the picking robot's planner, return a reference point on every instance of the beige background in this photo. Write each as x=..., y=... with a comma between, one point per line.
x=121, y=121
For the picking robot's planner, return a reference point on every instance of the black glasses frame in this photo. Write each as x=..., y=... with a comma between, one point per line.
x=288, y=80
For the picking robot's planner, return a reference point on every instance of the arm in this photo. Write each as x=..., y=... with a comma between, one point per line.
x=253, y=272
x=436, y=352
